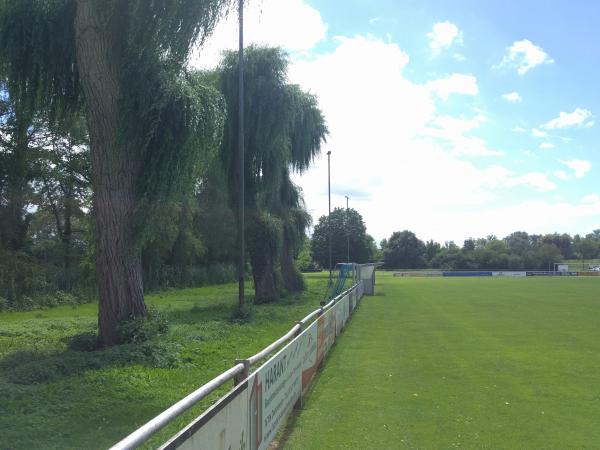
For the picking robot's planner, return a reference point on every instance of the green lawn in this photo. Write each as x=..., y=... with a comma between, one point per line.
x=462, y=363
x=55, y=398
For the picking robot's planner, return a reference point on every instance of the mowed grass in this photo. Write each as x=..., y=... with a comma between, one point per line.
x=471, y=363
x=55, y=398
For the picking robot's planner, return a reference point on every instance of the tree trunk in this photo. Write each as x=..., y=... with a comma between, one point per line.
x=115, y=170
x=17, y=185
x=292, y=278
x=263, y=248
x=67, y=235
x=265, y=281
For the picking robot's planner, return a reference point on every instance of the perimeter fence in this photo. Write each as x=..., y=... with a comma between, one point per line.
x=250, y=415
x=495, y=273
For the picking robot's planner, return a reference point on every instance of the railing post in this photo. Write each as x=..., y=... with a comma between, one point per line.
x=299, y=330
x=244, y=374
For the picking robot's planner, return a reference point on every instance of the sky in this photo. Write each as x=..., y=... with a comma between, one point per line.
x=450, y=119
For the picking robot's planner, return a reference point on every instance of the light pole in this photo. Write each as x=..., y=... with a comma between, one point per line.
x=329, y=213
x=242, y=261
x=347, y=229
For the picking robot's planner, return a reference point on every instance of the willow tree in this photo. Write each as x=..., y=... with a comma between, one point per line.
x=123, y=62
x=284, y=129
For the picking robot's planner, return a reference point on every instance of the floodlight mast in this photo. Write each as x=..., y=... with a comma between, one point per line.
x=329, y=213
x=347, y=230
x=242, y=200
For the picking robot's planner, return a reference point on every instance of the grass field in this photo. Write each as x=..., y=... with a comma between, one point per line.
x=461, y=363
x=55, y=398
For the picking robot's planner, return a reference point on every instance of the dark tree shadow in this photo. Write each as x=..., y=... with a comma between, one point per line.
x=25, y=367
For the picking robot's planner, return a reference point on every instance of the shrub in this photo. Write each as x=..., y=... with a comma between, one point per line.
x=83, y=342
x=141, y=329
x=242, y=314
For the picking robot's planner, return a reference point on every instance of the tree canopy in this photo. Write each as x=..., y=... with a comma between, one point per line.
x=150, y=124
x=284, y=131
x=344, y=224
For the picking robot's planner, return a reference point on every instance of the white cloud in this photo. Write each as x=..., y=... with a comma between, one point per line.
x=513, y=97
x=402, y=161
x=591, y=198
x=547, y=146
x=443, y=35
x=457, y=83
x=538, y=133
x=452, y=132
x=524, y=55
x=578, y=118
x=535, y=216
x=291, y=24
x=519, y=129
x=537, y=180
x=561, y=175
x=388, y=140
x=580, y=167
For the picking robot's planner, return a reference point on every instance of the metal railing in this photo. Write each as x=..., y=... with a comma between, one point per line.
x=237, y=373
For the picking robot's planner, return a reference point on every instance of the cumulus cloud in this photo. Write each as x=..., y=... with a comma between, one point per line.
x=579, y=118
x=404, y=162
x=388, y=138
x=537, y=180
x=291, y=24
x=561, y=175
x=453, y=133
x=580, y=167
x=443, y=36
x=591, y=198
x=456, y=83
x=513, y=97
x=538, y=133
x=547, y=146
x=536, y=216
x=524, y=55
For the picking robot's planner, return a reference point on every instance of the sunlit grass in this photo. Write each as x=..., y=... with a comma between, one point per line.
x=52, y=397
x=462, y=363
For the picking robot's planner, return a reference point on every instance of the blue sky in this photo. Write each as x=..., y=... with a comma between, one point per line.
x=452, y=119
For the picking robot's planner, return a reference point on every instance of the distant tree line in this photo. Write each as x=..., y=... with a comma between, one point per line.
x=517, y=251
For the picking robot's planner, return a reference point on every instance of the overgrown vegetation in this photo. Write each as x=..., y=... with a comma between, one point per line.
x=55, y=380
x=158, y=192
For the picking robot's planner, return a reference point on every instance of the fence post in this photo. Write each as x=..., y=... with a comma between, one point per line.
x=242, y=376
x=299, y=330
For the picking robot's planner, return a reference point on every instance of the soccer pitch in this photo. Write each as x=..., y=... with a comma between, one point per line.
x=468, y=363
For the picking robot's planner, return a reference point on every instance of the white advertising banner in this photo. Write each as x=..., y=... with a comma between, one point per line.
x=222, y=427
x=250, y=415
x=325, y=334
x=509, y=274
x=342, y=311
x=278, y=384
x=352, y=297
